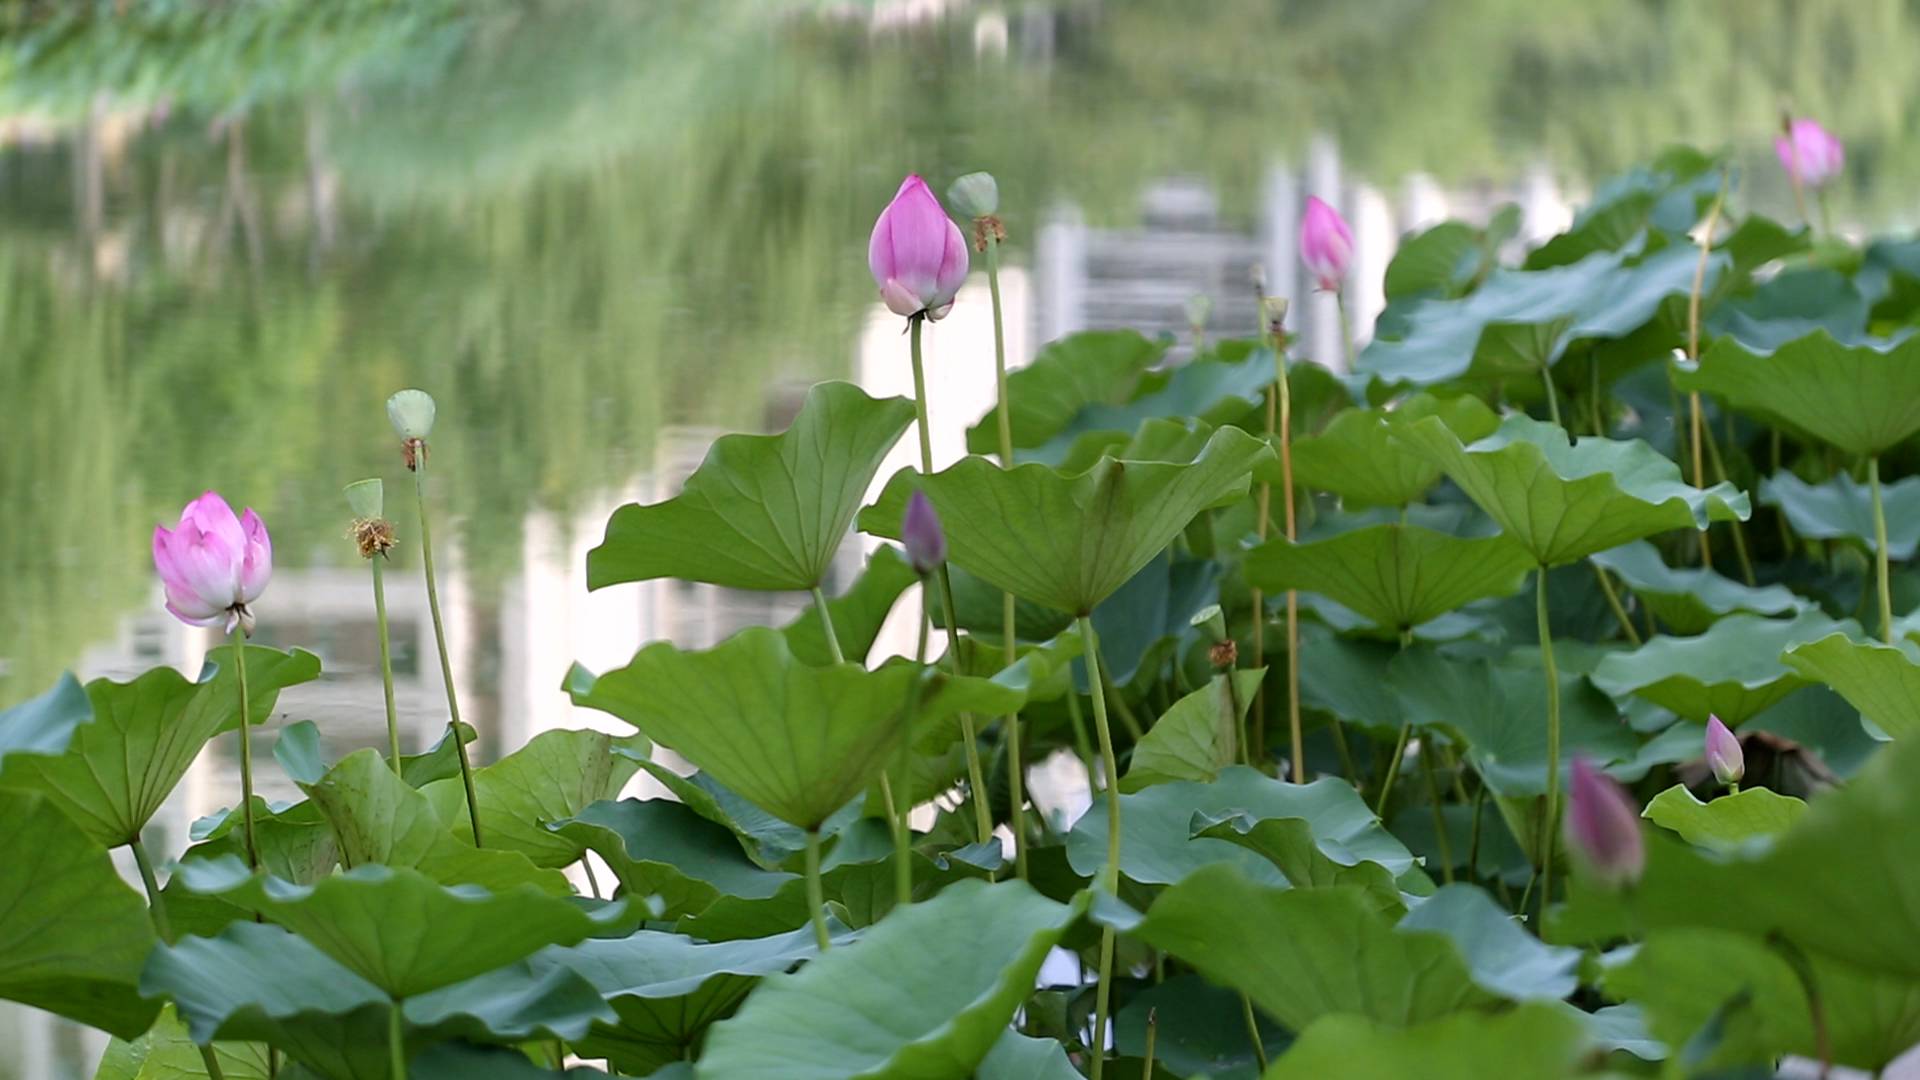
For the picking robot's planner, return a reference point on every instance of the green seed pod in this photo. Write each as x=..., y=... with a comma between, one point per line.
x=411, y=413
x=975, y=195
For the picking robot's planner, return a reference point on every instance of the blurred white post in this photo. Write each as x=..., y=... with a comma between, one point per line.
x=1061, y=266
x=1280, y=241
x=1374, y=240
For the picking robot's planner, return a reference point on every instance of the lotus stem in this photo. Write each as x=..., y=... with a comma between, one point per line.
x=1257, y=717
x=1393, y=769
x=903, y=791
x=826, y=626
x=1613, y=601
x=158, y=911
x=396, y=1043
x=816, y=894
x=1253, y=1032
x=1082, y=746
x=593, y=882
x=1298, y=751
x=1427, y=754
x=1153, y=1030
x=155, y=907
x=1694, y=296
x=246, y=747
x=1551, y=812
x=976, y=778
x=1110, y=873
x=1009, y=617
x=386, y=662
x=440, y=639
x=1880, y=550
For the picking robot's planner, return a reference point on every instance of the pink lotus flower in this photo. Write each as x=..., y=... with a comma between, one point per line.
x=917, y=254
x=1724, y=756
x=1326, y=244
x=213, y=564
x=1603, y=827
x=1809, y=153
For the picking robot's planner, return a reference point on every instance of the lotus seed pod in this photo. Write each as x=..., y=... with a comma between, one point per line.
x=411, y=413
x=367, y=498
x=975, y=195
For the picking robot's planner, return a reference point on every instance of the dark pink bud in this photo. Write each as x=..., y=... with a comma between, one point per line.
x=920, y=531
x=1603, y=827
x=1724, y=756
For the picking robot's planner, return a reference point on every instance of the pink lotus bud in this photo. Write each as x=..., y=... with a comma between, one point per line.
x=1603, y=827
x=920, y=530
x=1724, y=755
x=917, y=254
x=1326, y=244
x=212, y=564
x=1809, y=152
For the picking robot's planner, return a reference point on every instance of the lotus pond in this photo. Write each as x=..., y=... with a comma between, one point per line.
x=1533, y=691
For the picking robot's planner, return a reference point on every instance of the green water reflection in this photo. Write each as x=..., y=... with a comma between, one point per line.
x=225, y=238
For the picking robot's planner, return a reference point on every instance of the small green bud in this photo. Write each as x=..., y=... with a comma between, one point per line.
x=367, y=498
x=411, y=413
x=975, y=195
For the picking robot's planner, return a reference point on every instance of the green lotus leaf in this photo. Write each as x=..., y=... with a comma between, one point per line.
x=1356, y=456
x=1503, y=957
x=1196, y=738
x=1685, y=978
x=798, y=741
x=665, y=989
x=1862, y=399
x=261, y=982
x=1068, y=541
x=1200, y=1028
x=762, y=511
x=74, y=935
x=1564, y=501
x=1667, y=194
x=1841, y=508
x=554, y=776
x=295, y=842
x=297, y=748
x=45, y=725
x=397, y=928
x=1398, y=576
x=766, y=839
x=1882, y=681
x=377, y=818
x=858, y=613
x=1140, y=623
x=1790, y=306
x=1448, y=259
x=927, y=992
x=1496, y=710
x=1533, y=1042
x=1688, y=600
x=1300, y=954
x=1732, y=671
x=167, y=1052
x=1519, y=322
x=659, y=848
x=119, y=767
x=1289, y=844
x=1208, y=388
x=1728, y=822
x=1091, y=367
x=1018, y=1057
x=1158, y=846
